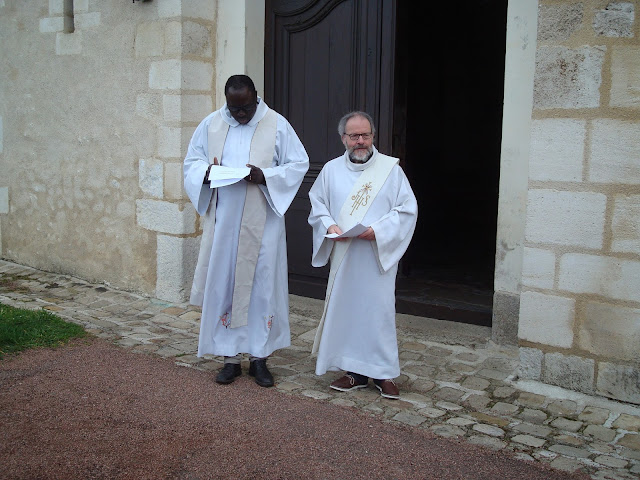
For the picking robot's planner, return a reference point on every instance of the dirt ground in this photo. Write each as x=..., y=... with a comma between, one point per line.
x=93, y=410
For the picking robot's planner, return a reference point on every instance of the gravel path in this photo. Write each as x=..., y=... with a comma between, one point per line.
x=93, y=410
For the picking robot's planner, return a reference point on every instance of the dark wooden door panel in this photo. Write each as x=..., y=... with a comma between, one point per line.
x=324, y=58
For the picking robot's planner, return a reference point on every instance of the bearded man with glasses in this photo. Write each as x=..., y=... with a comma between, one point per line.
x=363, y=215
x=242, y=170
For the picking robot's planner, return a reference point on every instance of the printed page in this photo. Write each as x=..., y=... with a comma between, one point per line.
x=356, y=230
x=219, y=176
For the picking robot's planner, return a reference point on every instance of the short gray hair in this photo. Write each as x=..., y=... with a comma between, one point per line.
x=343, y=121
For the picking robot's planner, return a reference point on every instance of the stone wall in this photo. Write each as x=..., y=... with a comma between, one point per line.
x=98, y=101
x=178, y=43
x=579, y=324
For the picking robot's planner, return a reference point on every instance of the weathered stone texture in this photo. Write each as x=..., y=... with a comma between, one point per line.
x=166, y=217
x=506, y=308
x=610, y=330
x=173, y=184
x=610, y=277
x=626, y=224
x=557, y=150
x=169, y=8
x=80, y=6
x=197, y=75
x=594, y=415
x=559, y=22
x=150, y=177
x=627, y=422
x=615, y=151
x=149, y=40
x=86, y=20
x=171, y=108
x=68, y=44
x=169, y=142
x=569, y=371
x=51, y=24
x=173, y=38
x=56, y=7
x=165, y=75
x=530, y=363
x=621, y=382
x=149, y=106
x=196, y=39
x=546, y=319
x=176, y=258
x=625, y=76
x=568, y=78
x=615, y=20
x=566, y=218
x=4, y=199
x=631, y=440
x=600, y=433
x=196, y=107
x=197, y=9
x=538, y=268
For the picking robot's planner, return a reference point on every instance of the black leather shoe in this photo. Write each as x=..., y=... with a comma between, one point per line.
x=228, y=373
x=258, y=369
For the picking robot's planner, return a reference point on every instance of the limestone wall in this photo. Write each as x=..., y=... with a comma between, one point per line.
x=98, y=100
x=579, y=324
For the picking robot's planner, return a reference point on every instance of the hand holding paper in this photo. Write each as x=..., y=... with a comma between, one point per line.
x=219, y=176
x=354, y=231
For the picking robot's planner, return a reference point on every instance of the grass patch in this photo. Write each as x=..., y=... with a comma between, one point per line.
x=21, y=329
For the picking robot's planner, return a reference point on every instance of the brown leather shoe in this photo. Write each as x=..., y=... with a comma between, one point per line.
x=348, y=382
x=388, y=388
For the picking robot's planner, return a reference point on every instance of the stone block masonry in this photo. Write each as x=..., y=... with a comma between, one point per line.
x=178, y=46
x=625, y=227
x=606, y=276
x=615, y=152
x=566, y=218
x=166, y=217
x=556, y=329
x=579, y=324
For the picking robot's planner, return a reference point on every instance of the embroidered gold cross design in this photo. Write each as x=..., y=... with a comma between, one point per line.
x=361, y=198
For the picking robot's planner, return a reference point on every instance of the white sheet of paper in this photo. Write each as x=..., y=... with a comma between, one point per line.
x=219, y=176
x=354, y=231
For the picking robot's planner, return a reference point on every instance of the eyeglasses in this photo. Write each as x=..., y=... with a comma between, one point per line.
x=244, y=108
x=354, y=136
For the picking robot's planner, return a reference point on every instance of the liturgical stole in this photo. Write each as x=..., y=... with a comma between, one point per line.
x=355, y=207
x=254, y=216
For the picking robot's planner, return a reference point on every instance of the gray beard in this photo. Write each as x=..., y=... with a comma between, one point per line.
x=354, y=159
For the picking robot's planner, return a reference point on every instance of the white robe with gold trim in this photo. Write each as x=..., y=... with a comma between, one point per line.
x=268, y=314
x=359, y=333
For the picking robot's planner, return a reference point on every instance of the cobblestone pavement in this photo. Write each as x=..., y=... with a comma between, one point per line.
x=455, y=381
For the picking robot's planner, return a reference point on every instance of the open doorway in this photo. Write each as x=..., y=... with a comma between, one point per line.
x=448, y=97
x=443, y=78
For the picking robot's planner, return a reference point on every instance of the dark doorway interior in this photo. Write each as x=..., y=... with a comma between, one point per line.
x=448, y=97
